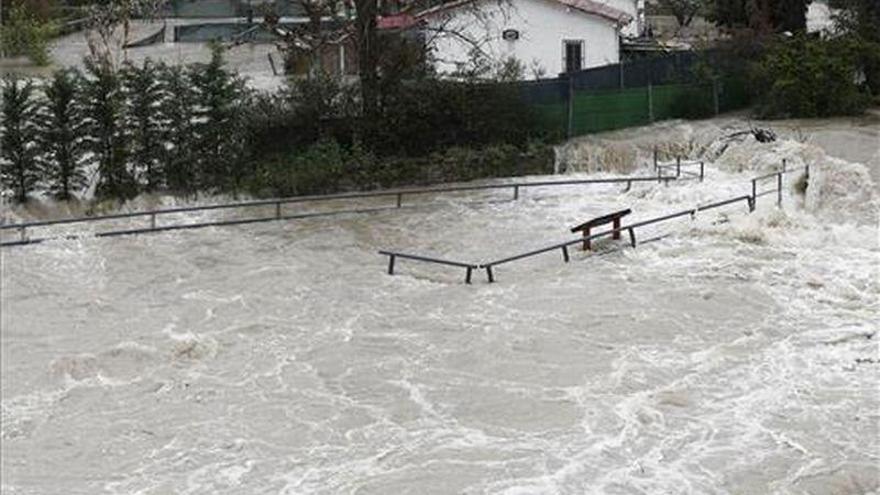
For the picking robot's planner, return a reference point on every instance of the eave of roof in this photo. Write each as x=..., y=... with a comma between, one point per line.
x=590, y=7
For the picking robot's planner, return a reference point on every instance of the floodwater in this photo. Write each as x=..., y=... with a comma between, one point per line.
x=734, y=353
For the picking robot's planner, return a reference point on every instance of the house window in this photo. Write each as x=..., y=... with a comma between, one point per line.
x=573, y=55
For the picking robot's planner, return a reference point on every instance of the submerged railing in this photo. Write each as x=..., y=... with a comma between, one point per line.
x=750, y=200
x=278, y=203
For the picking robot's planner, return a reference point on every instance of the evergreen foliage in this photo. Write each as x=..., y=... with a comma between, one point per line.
x=24, y=33
x=219, y=96
x=761, y=16
x=806, y=76
x=62, y=134
x=105, y=106
x=143, y=96
x=176, y=109
x=20, y=169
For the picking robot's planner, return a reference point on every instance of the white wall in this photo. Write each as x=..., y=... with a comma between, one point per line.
x=542, y=24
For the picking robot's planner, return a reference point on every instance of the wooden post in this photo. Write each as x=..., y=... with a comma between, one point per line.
x=515, y=192
x=632, y=237
x=278, y=210
x=153, y=221
x=616, y=233
x=489, y=275
x=702, y=171
x=655, y=157
x=650, y=103
x=390, y=264
x=467, y=277
x=565, y=253
x=586, y=239
x=399, y=199
x=678, y=166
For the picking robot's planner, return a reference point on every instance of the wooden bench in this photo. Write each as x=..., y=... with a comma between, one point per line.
x=613, y=218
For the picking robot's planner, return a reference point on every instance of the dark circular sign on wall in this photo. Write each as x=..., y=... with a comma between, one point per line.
x=510, y=34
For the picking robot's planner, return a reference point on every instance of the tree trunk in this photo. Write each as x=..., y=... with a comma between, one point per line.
x=365, y=24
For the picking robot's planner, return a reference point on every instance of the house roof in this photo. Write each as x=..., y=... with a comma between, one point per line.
x=591, y=7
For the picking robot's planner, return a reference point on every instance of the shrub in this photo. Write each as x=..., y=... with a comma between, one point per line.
x=23, y=33
x=806, y=76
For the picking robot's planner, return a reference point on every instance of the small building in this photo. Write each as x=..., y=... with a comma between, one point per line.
x=546, y=36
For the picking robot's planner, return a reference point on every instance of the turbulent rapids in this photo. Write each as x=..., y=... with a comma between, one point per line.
x=736, y=354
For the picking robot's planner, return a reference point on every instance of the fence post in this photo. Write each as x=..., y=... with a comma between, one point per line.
x=752, y=203
x=784, y=164
x=22, y=233
x=278, y=210
x=515, y=192
x=651, y=103
x=565, y=253
x=702, y=171
x=390, y=264
x=570, y=124
x=153, y=221
x=678, y=166
x=655, y=157
x=399, y=199
x=779, y=190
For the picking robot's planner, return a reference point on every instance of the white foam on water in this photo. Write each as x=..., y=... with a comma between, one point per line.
x=738, y=353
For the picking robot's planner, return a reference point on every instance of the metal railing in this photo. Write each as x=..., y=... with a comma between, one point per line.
x=680, y=167
x=392, y=255
x=278, y=203
x=630, y=229
x=749, y=199
x=778, y=176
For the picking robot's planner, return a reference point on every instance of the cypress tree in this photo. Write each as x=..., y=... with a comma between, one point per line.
x=219, y=96
x=104, y=103
x=176, y=111
x=61, y=135
x=20, y=169
x=143, y=96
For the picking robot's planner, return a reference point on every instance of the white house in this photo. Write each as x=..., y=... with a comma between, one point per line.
x=547, y=36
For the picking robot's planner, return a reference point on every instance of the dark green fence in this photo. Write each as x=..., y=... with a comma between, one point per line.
x=588, y=111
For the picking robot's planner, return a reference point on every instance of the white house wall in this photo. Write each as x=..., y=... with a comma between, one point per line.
x=543, y=25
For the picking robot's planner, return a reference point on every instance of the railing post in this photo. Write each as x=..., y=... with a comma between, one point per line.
x=515, y=192
x=153, y=221
x=632, y=237
x=678, y=166
x=489, y=275
x=659, y=172
x=565, y=253
x=467, y=277
x=779, y=190
x=399, y=199
x=22, y=233
x=278, y=210
x=655, y=157
x=390, y=264
x=702, y=171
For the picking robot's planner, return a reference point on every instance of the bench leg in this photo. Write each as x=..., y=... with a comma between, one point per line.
x=586, y=239
x=616, y=233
